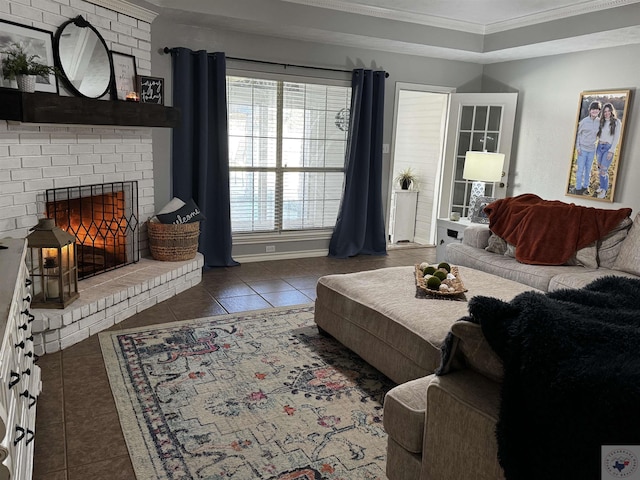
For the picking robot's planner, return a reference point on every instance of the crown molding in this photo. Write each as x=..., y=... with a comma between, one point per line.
x=556, y=14
x=126, y=8
x=469, y=27
x=389, y=14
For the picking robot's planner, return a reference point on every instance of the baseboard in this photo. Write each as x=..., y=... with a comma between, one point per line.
x=260, y=257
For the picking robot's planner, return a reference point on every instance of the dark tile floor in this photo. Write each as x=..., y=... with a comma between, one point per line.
x=78, y=433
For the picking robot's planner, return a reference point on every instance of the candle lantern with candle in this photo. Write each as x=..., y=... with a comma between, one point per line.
x=52, y=265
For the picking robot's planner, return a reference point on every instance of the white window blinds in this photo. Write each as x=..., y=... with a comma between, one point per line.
x=287, y=144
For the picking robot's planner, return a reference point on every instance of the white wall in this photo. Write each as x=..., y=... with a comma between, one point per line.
x=34, y=158
x=549, y=90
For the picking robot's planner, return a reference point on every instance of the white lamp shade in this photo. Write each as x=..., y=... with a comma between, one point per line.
x=483, y=166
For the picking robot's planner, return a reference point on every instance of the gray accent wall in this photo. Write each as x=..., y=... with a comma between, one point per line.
x=548, y=93
x=465, y=77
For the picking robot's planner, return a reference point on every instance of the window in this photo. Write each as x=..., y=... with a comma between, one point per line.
x=287, y=143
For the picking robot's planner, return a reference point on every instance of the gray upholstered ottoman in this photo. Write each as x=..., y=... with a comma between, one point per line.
x=377, y=315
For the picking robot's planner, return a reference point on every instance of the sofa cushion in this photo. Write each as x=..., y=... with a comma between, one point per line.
x=603, y=252
x=587, y=256
x=628, y=260
x=609, y=246
x=404, y=408
x=496, y=245
x=477, y=235
x=510, y=251
x=582, y=279
x=537, y=276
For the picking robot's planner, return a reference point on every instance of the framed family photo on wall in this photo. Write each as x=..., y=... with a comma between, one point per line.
x=597, y=145
x=34, y=41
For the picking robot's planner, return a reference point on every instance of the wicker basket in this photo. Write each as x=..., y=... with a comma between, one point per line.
x=172, y=243
x=457, y=284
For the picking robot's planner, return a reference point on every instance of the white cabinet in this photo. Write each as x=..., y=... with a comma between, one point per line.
x=402, y=220
x=19, y=375
x=449, y=232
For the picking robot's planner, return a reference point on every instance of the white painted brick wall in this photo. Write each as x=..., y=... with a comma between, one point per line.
x=36, y=157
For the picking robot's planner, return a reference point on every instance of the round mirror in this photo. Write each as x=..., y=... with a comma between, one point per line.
x=83, y=58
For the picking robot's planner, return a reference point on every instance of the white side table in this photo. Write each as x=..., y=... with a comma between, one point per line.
x=402, y=221
x=449, y=232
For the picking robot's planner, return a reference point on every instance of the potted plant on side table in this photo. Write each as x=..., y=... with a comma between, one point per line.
x=406, y=178
x=24, y=67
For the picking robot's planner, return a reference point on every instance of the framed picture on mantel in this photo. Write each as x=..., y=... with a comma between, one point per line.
x=124, y=75
x=151, y=89
x=34, y=41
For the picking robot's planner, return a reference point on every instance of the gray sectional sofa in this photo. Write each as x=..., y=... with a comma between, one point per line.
x=457, y=413
x=614, y=254
x=443, y=427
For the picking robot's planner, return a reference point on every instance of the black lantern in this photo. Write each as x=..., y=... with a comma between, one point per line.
x=52, y=265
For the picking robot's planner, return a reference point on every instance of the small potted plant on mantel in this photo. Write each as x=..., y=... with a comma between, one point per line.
x=406, y=178
x=24, y=67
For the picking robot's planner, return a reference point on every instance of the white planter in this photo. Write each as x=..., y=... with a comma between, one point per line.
x=26, y=83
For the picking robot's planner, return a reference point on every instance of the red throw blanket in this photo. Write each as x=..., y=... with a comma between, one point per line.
x=549, y=232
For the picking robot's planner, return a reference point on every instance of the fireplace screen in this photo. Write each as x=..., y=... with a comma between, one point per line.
x=104, y=220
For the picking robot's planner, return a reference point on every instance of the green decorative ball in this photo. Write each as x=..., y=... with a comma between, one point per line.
x=440, y=274
x=429, y=270
x=445, y=265
x=433, y=283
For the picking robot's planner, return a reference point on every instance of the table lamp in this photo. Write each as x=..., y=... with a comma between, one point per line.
x=481, y=167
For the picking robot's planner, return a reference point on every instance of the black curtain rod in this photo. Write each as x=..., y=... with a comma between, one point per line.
x=285, y=65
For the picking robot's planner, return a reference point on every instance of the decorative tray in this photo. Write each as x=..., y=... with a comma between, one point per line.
x=456, y=283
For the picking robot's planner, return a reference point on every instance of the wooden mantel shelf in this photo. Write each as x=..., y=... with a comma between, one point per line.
x=42, y=107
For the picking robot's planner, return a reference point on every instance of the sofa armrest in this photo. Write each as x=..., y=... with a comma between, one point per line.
x=473, y=350
x=477, y=236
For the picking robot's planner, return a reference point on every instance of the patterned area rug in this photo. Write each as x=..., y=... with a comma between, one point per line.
x=259, y=395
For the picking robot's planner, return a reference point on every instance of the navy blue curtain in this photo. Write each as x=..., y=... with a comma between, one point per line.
x=360, y=225
x=200, y=155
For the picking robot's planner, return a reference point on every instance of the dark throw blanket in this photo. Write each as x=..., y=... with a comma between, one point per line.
x=572, y=376
x=549, y=232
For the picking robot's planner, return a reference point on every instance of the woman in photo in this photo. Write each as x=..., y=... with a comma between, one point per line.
x=608, y=137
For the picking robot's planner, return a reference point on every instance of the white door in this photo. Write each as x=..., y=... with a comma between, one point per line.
x=420, y=120
x=478, y=122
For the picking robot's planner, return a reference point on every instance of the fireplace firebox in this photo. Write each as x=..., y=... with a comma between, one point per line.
x=104, y=220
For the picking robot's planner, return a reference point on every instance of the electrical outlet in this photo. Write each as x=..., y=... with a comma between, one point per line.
x=385, y=148
x=270, y=248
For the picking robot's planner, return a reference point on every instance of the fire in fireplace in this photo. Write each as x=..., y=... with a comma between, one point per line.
x=104, y=220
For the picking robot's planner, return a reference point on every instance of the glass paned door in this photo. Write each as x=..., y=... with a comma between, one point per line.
x=477, y=122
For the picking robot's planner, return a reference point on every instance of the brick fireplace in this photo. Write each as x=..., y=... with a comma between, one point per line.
x=35, y=158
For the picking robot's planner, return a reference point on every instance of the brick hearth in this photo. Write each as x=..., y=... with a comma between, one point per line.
x=112, y=297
